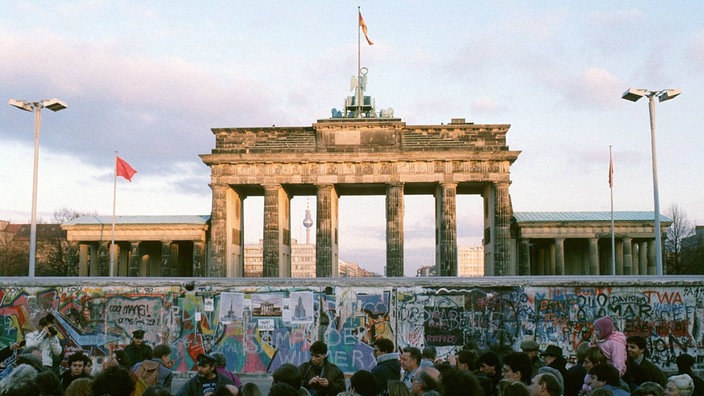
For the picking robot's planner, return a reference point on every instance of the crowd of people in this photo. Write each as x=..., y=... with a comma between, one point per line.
x=610, y=364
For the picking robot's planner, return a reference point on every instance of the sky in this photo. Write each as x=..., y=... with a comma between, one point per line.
x=150, y=79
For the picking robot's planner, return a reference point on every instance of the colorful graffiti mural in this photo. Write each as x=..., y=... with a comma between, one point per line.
x=260, y=327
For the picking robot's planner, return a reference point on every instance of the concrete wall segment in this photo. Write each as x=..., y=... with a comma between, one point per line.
x=261, y=323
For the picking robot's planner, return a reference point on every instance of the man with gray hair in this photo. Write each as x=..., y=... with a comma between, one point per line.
x=545, y=384
x=426, y=382
x=22, y=381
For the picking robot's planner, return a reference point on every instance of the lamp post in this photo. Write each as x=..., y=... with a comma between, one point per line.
x=633, y=94
x=36, y=108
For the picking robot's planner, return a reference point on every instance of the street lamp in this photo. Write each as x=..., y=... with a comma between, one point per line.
x=36, y=108
x=633, y=94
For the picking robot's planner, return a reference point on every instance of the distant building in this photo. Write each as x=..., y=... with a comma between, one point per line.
x=302, y=262
x=353, y=270
x=425, y=271
x=470, y=260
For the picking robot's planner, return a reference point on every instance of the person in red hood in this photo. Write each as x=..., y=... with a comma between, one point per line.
x=611, y=342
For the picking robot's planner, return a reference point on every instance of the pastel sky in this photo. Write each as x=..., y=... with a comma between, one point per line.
x=150, y=80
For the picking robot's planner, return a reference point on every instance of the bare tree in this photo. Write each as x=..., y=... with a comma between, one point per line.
x=680, y=229
x=58, y=256
x=13, y=258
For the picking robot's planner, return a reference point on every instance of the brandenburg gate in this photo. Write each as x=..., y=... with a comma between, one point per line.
x=358, y=153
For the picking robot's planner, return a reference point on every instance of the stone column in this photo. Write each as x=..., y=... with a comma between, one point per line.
x=94, y=260
x=643, y=258
x=559, y=256
x=226, y=230
x=394, y=229
x=446, y=229
x=652, y=266
x=166, y=260
x=135, y=260
x=627, y=256
x=593, y=256
x=326, y=249
x=218, y=229
x=541, y=260
x=277, y=233
x=524, y=268
x=103, y=260
x=502, y=231
x=636, y=258
x=83, y=259
x=198, y=258
x=619, y=257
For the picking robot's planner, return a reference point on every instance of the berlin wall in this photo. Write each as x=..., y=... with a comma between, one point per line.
x=260, y=324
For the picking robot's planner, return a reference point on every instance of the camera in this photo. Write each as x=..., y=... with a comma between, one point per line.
x=52, y=330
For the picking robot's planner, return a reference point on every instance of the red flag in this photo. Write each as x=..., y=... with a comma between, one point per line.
x=122, y=168
x=364, y=28
x=611, y=172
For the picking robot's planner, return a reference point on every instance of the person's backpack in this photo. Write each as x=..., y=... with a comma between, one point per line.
x=148, y=372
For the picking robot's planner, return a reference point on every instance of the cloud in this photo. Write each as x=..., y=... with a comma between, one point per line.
x=486, y=105
x=593, y=88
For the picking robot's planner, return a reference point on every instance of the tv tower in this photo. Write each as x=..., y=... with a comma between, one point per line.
x=308, y=222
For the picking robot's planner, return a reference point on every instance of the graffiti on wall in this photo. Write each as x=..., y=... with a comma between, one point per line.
x=258, y=328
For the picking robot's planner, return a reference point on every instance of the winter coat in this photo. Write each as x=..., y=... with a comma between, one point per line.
x=194, y=386
x=612, y=344
x=329, y=371
x=387, y=368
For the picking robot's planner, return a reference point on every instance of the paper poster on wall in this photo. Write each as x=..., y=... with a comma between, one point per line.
x=301, y=307
x=209, y=305
x=267, y=304
x=231, y=307
x=286, y=312
x=265, y=324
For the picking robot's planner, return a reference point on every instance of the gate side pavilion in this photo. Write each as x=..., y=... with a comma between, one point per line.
x=580, y=243
x=542, y=243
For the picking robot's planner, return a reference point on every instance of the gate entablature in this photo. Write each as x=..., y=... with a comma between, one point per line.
x=358, y=156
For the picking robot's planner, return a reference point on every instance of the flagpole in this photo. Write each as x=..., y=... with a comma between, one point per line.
x=613, y=237
x=359, y=63
x=112, y=244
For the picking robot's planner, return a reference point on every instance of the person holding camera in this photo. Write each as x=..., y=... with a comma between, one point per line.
x=46, y=340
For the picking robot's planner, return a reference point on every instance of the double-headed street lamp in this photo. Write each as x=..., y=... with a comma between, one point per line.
x=633, y=94
x=36, y=108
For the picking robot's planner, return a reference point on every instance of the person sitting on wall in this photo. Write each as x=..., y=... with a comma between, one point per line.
x=321, y=377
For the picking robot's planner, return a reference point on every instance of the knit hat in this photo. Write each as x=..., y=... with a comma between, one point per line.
x=605, y=326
